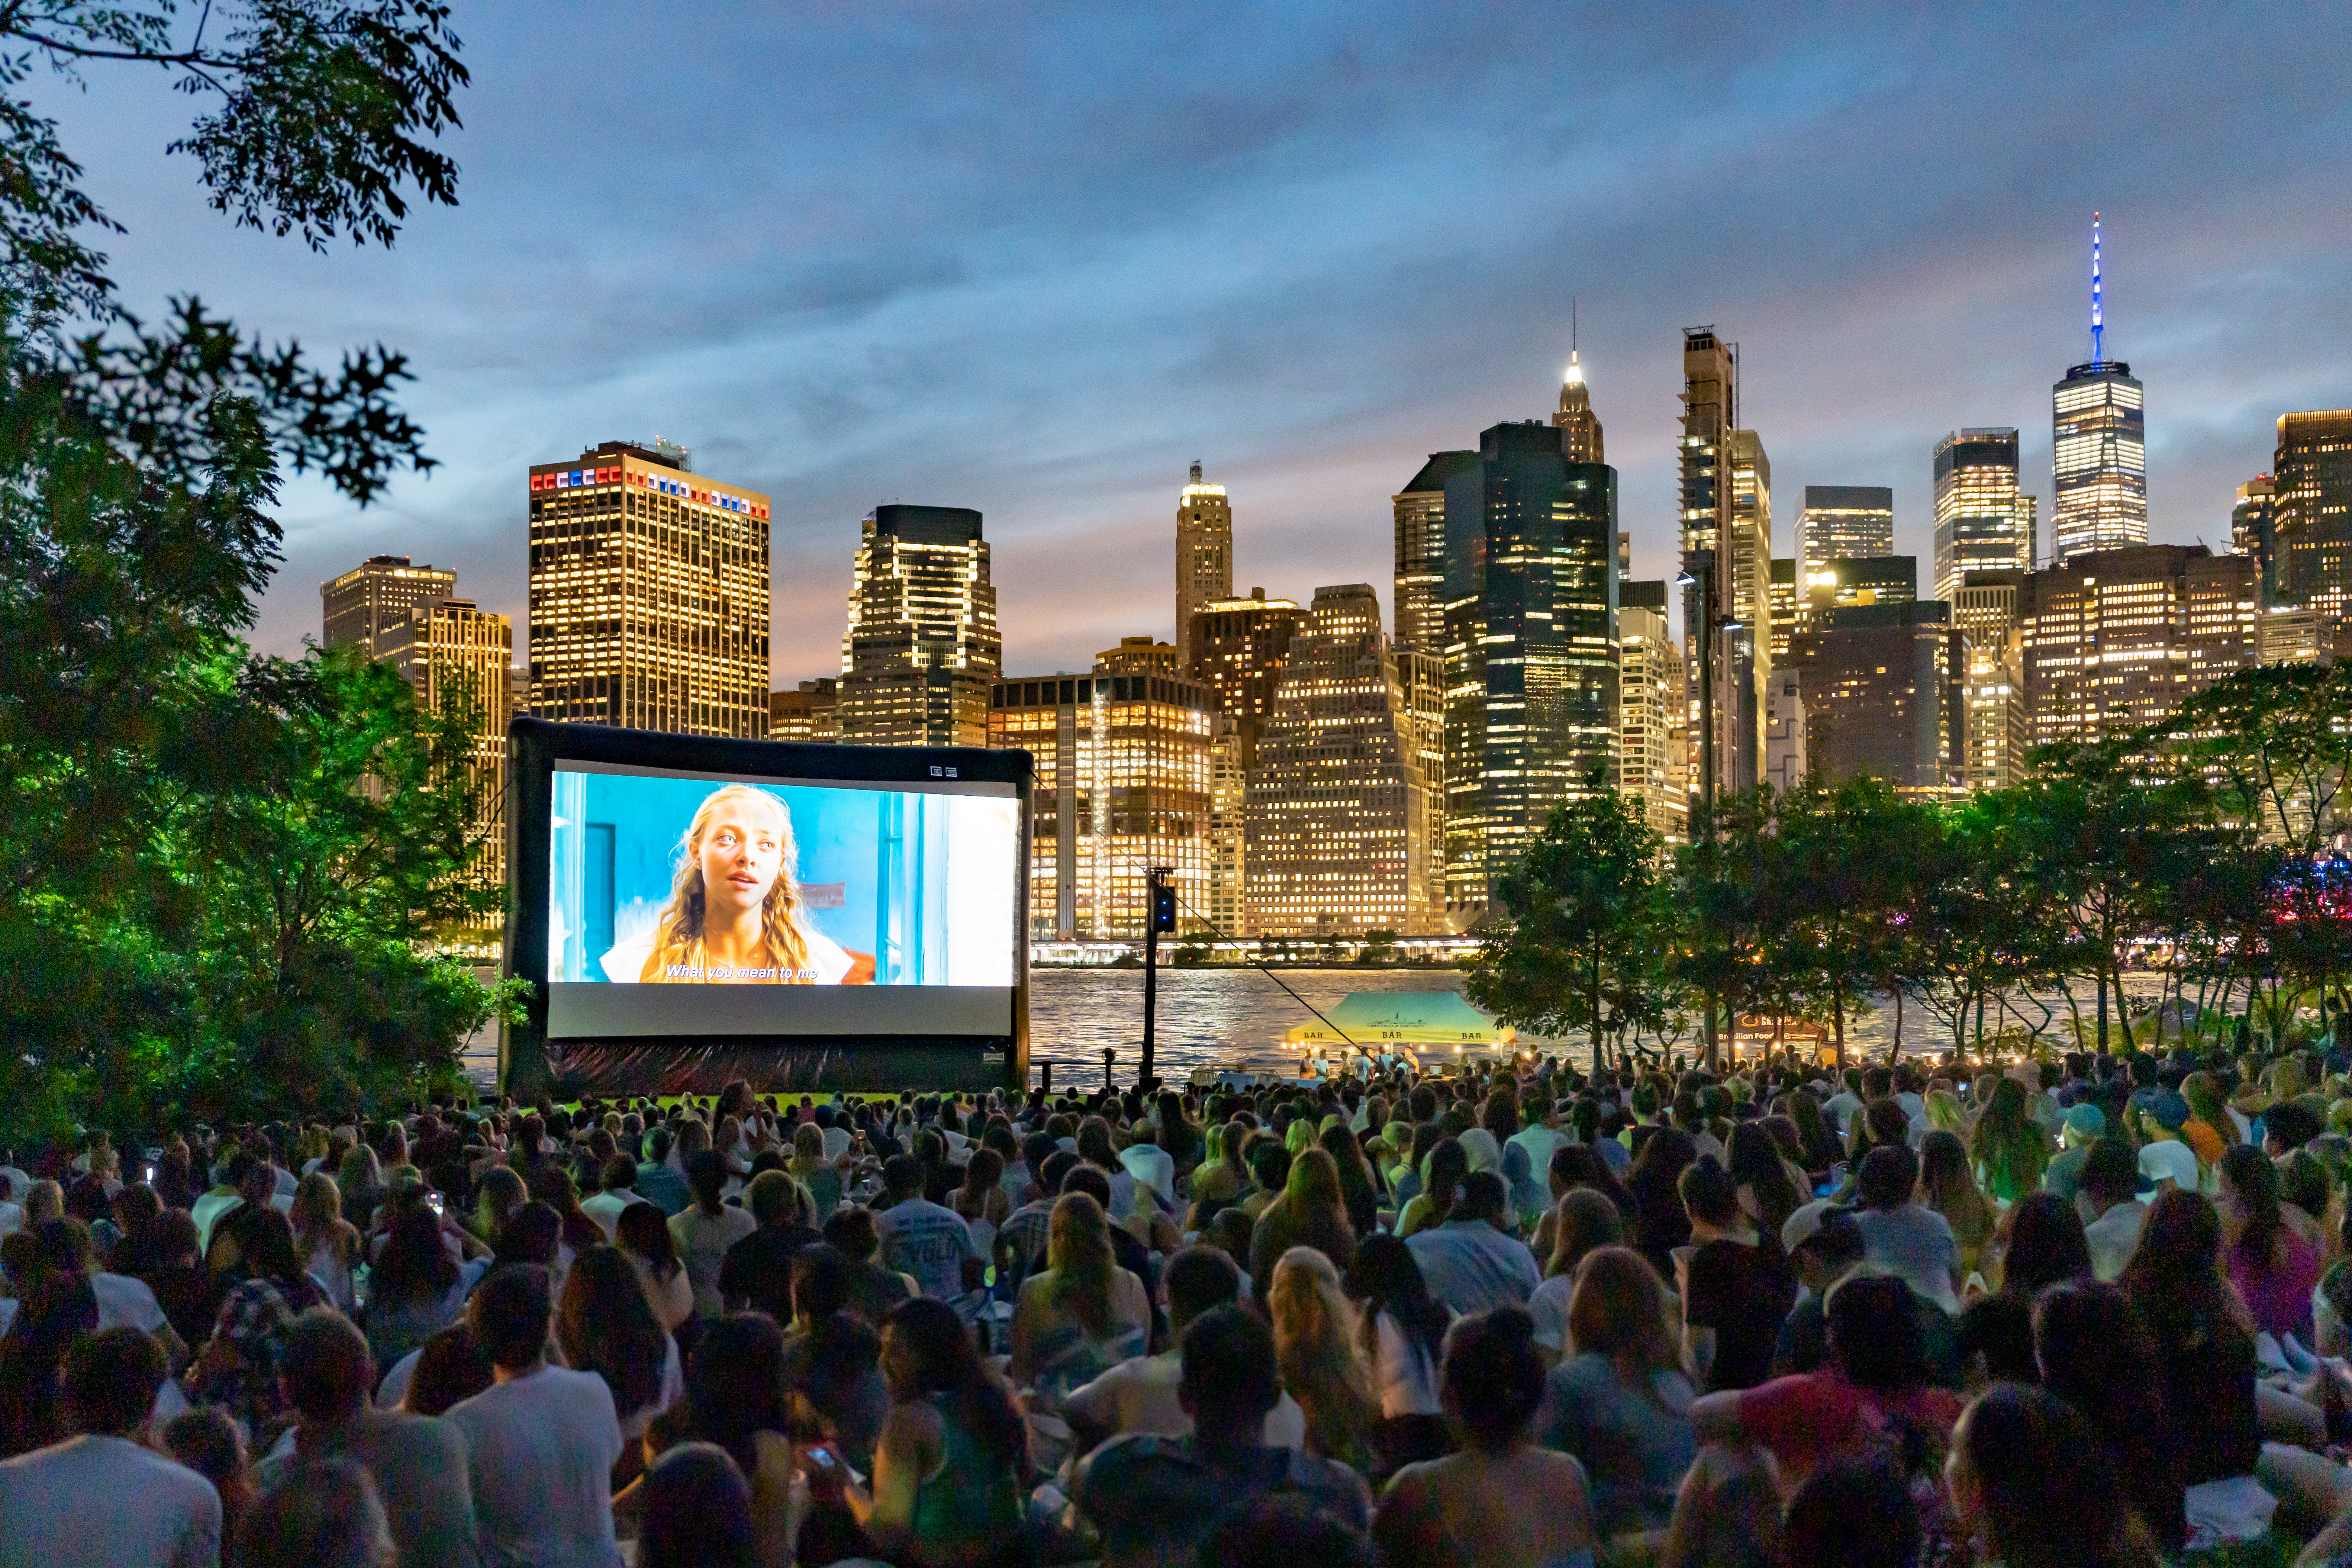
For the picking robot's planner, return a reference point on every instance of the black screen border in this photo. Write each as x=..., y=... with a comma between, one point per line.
x=682, y=1063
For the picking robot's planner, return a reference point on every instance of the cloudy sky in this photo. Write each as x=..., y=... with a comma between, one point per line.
x=1034, y=260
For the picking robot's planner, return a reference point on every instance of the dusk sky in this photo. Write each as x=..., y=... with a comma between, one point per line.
x=1036, y=260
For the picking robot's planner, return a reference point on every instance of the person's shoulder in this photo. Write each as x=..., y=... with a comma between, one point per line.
x=1338, y=1485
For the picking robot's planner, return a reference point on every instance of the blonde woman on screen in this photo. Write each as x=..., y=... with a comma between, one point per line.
x=734, y=914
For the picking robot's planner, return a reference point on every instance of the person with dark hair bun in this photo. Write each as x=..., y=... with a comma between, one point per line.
x=1500, y=1500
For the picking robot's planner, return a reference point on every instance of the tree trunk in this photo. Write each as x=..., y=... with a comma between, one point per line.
x=1895, y=1054
x=2103, y=1011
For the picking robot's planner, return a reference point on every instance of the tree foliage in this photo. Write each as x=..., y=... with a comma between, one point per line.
x=221, y=877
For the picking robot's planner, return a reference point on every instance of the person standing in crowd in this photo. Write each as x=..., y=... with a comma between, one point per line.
x=1500, y=1502
x=1155, y=1499
x=542, y=1441
x=103, y=1496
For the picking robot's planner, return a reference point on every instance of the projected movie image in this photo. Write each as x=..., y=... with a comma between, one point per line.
x=673, y=896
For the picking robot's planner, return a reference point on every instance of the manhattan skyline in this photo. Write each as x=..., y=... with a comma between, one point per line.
x=1035, y=263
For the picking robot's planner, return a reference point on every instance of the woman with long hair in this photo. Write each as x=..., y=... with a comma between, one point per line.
x=2032, y=1484
x=238, y=1368
x=981, y=1198
x=2010, y=1151
x=2275, y=1269
x=1766, y=1190
x=1582, y=1221
x=703, y=1230
x=1222, y=1178
x=498, y=1196
x=414, y=1289
x=1083, y=1314
x=735, y=914
x=2204, y=1337
x=359, y=1180
x=603, y=1324
x=1311, y=1212
x=644, y=1235
x=1356, y=1180
x=1660, y=1223
x=818, y=1175
x=947, y=1487
x=1400, y=1331
x=1949, y=1186
x=2039, y=1243
x=1823, y=1148
x=1500, y=1502
x=1620, y=1399
x=2093, y=1349
x=1441, y=1175
x=55, y=1307
x=1320, y=1365
x=1178, y=1136
x=327, y=1243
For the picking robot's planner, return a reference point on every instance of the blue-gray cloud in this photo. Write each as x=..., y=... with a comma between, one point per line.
x=1034, y=258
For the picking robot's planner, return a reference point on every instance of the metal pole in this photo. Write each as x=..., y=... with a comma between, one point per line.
x=1159, y=909
x=1708, y=619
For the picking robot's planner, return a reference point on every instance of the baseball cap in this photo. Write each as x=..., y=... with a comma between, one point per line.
x=2086, y=1121
x=2169, y=1158
x=2169, y=1108
x=1806, y=1223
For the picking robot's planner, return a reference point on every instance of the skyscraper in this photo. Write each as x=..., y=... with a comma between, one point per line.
x=2253, y=531
x=2098, y=446
x=1205, y=556
x=1238, y=648
x=648, y=594
x=1420, y=512
x=1881, y=686
x=1337, y=812
x=1844, y=521
x=921, y=653
x=1580, y=427
x=459, y=657
x=1787, y=605
x=1652, y=721
x=1982, y=522
x=1733, y=569
x=2313, y=466
x=1530, y=647
x=370, y=604
x=2116, y=640
x=1123, y=784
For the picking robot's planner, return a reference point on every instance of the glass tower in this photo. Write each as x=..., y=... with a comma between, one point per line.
x=1843, y=519
x=1982, y=524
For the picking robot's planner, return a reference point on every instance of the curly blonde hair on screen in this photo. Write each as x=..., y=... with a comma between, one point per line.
x=678, y=932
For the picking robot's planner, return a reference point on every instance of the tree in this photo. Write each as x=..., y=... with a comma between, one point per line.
x=1580, y=910
x=139, y=742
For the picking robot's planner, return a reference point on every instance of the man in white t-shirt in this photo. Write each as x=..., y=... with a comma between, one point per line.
x=103, y=1496
x=921, y=1239
x=1140, y=1395
x=541, y=1441
x=619, y=1181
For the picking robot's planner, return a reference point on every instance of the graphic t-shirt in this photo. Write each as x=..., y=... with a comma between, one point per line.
x=928, y=1240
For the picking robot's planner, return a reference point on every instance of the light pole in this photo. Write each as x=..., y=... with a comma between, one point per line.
x=1711, y=624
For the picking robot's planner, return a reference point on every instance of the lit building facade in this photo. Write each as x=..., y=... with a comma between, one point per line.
x=1238, y=649
x=809, y=713
x=1530, y=649
x=1205, y=555
x=459, y=657
x=1651, y=722
x=1879, y=689
x=2253, y=531
x=1228, y=830
x=1579, y=426
x=1338, y=810
x=1419, y=511
x=370, y=604
x=1139, y=656
x=1844, y=520
x=2098, y=461
x=1995, y=730
x=648, y=594
x=921, y=655
x=2118, y=638
x=1787, y=605
x=1785, y=757
x=2312, y=471
x=1123, y=784
x=1983, y=521
x=1710, y=460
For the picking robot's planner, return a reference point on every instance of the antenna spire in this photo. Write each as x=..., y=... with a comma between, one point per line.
x=2099, y=325
x=1575, y=376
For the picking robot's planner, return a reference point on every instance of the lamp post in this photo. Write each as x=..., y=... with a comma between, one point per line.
x=1712, y=624
x=1159, y=916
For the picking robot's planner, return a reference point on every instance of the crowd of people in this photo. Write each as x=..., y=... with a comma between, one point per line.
x=2088, y=1313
